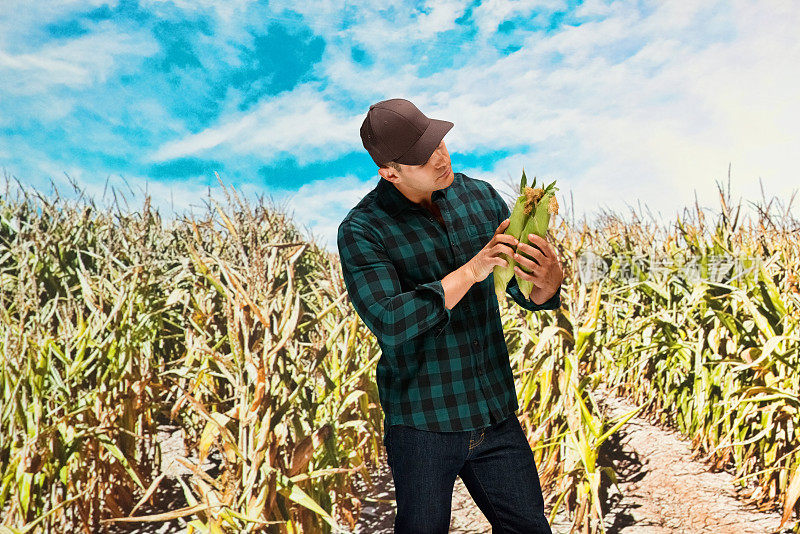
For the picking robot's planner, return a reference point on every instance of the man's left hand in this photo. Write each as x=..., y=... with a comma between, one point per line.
x=545, y=268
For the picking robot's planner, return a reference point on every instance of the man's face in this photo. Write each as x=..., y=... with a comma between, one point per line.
x=436, y=173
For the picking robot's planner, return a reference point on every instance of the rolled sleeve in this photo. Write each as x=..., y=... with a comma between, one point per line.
x=435, y=290
x=515, y=293
x=394, y=316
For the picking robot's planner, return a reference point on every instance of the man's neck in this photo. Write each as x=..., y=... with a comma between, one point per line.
x=424, y=201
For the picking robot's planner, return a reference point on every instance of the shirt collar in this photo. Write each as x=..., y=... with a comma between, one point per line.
x=393, y=201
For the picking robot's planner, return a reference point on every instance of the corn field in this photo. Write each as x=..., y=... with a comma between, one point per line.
x=237, y=328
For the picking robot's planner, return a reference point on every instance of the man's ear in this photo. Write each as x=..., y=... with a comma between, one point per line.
x=388, y=173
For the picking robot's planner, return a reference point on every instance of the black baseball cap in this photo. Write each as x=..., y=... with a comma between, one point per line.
x=396, y=130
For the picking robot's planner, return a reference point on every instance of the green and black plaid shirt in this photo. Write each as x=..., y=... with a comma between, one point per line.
x=441, y=370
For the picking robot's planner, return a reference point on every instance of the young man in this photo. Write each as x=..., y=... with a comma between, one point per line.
x=417, y=254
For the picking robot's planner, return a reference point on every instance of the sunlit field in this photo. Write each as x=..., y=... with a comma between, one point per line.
x=238, y=329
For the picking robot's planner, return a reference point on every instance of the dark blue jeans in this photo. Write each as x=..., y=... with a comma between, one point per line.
x=495, y=464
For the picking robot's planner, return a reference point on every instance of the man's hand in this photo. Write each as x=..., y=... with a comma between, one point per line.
x=482, y=264
x=545, y=268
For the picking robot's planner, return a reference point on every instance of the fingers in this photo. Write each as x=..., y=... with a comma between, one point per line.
x=541, y=246
x=536, y=258
x=503, y=226
x=503, y=247
x=505, y=238
x=496, y=257
x=528, y=267
x=541, y=242
x=525, y=275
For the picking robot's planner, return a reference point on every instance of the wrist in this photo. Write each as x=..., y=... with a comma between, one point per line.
x=539, y=296
x=469, y=273
x=456, y=284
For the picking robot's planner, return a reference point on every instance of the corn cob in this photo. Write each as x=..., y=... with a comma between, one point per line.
x=543, y=206
x=516, y=223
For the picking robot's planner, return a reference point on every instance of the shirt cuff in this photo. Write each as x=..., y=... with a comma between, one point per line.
x=552, y=304
x=442, y=316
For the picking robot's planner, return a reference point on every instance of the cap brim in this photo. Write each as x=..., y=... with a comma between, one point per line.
x=420, y=152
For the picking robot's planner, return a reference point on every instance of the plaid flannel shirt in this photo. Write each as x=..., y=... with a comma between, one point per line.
x=440, y=369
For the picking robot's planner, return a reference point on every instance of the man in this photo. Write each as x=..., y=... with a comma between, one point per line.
x=417, y=255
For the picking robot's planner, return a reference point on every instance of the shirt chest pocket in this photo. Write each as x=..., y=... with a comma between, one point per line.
x=479, y=235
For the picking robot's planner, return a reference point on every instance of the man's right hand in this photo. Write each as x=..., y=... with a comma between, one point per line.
x=482, y=264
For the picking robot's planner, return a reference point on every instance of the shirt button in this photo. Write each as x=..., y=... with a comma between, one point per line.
x=475, y=342
x=466, y=308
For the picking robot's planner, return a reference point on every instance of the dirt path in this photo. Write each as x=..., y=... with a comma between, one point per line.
x=664, y=491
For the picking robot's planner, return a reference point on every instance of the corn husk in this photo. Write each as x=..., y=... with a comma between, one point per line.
x=524, y=208
x=503, y=274
x=543, y=207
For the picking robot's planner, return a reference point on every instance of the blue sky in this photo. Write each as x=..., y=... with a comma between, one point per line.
x=625, y=103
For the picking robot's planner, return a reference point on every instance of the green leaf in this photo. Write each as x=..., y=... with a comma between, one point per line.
x=295, y=493
x=588, y=418
x=117, y=453
x=617, y=426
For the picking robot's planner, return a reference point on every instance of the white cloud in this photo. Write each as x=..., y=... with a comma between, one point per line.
x=379, y=25
x=300, y=122
x=319, y=206
x=85, y=60
x=28, y=17
x=593, y=8
x=491, y=13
